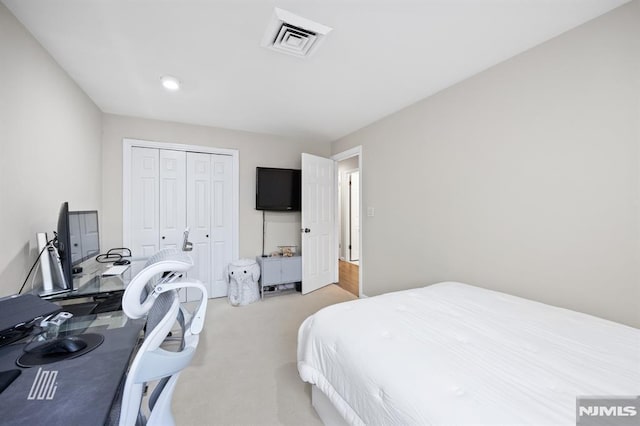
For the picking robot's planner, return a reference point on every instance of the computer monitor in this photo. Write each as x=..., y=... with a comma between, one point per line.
x=63, y=245
x=83, y=235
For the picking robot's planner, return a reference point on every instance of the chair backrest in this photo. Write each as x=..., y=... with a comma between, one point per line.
x=154, y=292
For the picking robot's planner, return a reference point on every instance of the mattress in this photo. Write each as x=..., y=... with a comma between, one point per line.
x=451, y=353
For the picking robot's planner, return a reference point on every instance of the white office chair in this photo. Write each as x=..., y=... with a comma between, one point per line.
x=154, y=292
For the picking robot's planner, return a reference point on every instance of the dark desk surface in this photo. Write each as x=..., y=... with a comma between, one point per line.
x=85, y=386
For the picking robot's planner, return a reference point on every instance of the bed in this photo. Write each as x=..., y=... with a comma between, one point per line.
x=452, y=353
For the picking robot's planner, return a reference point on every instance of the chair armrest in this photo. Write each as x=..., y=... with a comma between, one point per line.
x=165, y=261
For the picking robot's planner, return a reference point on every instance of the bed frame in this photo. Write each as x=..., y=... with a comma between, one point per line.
x=325, y=409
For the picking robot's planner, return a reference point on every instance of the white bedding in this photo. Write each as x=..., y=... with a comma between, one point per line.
x=451, y=353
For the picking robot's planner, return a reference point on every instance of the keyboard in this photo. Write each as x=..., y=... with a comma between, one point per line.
x=110, y=303
x=115, y=270
x=81, y=309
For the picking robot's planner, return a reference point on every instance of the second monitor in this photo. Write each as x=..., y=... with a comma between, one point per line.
x=76, y=240
x=84, y=235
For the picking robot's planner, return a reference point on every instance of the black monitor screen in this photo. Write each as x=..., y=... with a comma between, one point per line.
x=84, y=235
x=277, y=189
x=63, y=244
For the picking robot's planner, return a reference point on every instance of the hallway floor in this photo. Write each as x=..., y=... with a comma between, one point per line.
x=348, y=277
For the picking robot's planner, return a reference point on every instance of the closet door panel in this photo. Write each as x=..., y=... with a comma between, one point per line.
x=221, y=227
x=199, y=215
x=144, y=201
x=173, y=198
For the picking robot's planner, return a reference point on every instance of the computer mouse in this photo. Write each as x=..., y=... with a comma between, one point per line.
x=61, y=345
x=70, y=345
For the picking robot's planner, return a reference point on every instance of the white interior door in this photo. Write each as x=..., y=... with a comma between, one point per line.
x=221, y=222
x=173, y=184
x=144, y=211
x=354, y=216
x=199, y=215
x=318, y=222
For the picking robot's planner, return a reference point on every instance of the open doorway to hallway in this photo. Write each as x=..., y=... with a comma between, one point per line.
x=349, y=224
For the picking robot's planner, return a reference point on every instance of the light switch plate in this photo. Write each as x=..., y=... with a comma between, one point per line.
x=370, y=211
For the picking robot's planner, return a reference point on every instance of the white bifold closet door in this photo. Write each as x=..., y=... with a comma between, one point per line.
x=209, y=217
x=199, y=213
x=172, y=190
x=173, y=217
x=145, y=201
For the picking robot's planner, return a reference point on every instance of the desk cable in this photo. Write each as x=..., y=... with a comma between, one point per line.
x=46, y=246
x=115, y=255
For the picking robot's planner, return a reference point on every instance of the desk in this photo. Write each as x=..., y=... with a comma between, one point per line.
x=91, y=282
x=85, y=386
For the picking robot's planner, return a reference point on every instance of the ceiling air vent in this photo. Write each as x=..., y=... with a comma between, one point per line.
x=292, y=34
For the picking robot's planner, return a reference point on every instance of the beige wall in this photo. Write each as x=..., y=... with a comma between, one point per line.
x=255, y=150
x=49, y=148
x=523, y=179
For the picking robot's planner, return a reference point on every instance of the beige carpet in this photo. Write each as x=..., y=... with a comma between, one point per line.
x=244, y=372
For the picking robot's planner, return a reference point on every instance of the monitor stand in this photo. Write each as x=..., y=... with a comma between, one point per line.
x=51, y=268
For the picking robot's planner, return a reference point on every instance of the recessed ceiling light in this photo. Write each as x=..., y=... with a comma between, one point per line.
x=170, y=83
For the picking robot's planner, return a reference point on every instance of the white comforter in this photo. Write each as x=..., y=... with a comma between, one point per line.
x=451, y=353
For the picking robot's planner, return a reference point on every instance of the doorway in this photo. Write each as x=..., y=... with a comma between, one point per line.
x=353, y=216
x=348, y=213
x=323, y=262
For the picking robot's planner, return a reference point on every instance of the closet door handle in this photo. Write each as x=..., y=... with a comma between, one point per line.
x=163, y=237
x=306, y=230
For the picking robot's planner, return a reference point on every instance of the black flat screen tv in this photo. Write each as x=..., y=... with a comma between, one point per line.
x=278, y=189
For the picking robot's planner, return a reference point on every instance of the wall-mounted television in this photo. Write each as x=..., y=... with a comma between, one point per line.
x=278, y=189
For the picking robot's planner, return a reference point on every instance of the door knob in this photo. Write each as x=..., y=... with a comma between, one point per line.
x=306, y=230
x=163, y=238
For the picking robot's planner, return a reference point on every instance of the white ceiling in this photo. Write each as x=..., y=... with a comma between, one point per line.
x=381, y=56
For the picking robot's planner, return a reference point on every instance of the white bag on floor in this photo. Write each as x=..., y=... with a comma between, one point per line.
x=242, y=276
